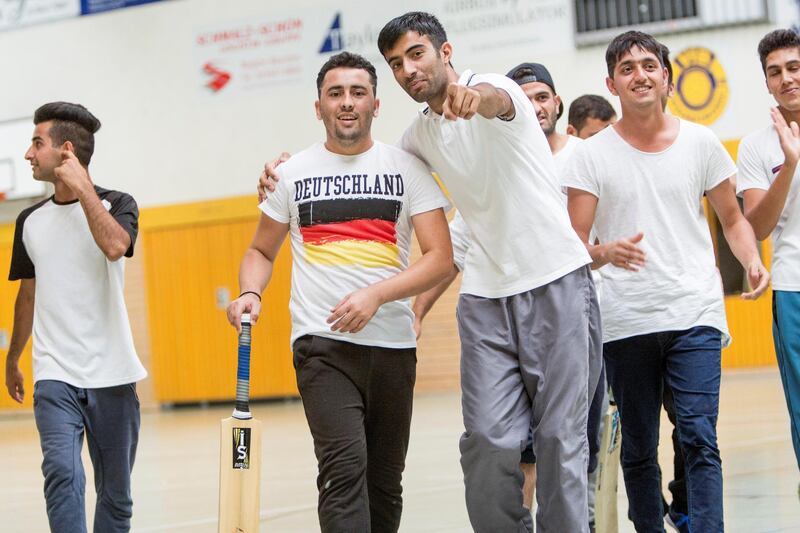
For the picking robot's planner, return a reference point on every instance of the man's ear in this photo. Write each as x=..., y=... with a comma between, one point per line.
x=610, y=86
x=571, y=130
x=316, y=109
x=446, y=52
x=68, y=146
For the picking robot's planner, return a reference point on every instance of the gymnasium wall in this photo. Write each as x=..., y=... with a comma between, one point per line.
x=191, y=154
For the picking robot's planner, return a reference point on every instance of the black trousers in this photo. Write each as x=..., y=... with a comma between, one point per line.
x=357, y=401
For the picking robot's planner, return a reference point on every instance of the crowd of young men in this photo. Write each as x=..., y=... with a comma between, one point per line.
x=528, y=313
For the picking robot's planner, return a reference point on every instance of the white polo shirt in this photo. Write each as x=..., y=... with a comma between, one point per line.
x=502, y=178
x=460, y=234
x=760, y=159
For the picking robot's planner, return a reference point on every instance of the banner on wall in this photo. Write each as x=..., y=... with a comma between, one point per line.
x=245, y=56
x=20, y=13
x=90, y=7
x=248, y=56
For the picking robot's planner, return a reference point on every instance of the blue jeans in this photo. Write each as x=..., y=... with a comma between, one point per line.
x=688, y=362
x=109, y=417
x=786, y=335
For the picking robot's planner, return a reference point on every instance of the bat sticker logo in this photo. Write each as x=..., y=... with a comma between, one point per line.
x=241, y=448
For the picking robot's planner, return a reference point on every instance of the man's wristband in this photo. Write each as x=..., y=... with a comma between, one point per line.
x=253, y=293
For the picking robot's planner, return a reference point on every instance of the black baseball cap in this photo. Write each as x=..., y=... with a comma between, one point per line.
x=533, y=72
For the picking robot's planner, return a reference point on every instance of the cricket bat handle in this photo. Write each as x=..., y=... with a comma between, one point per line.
x=242, y=408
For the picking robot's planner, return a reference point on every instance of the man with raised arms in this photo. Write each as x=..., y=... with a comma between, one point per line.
x=768, y=182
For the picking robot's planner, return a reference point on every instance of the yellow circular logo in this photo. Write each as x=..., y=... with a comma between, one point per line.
x=701, y=88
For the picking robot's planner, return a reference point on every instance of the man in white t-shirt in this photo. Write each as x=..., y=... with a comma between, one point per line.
x=640, y=184
x=67, y=254
x=768, y=182
x=349, y=205
x=527, y=311
x=537, y=84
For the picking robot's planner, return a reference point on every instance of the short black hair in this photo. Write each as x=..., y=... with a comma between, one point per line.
x=418, y=21
x=347, y=60
x=589, y=106
x=776, y=40
x=73, y=123
x=666, y=63
x=624, y=42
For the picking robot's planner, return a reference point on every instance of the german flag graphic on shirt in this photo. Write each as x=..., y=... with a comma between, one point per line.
x=350, y=231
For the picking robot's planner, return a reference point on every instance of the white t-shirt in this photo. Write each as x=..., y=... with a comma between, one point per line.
x=760, y=159
x=81, y=333
x=502, y=178
x=659, y=194
x=350, y=227
x=562, y=156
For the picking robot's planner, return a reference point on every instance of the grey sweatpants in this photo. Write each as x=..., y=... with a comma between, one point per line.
x=528, y=361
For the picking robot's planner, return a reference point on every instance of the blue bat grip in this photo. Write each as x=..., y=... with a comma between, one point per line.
x=242, y=409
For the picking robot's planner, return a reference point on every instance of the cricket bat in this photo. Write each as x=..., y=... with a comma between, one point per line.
x=240, y=453
x=605, y=507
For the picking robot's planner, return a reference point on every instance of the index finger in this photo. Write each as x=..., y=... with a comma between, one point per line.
x=447, y=111
x=457, y=103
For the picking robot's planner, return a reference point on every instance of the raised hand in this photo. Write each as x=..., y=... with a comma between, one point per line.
x=788, y=134
x=460, y=102
x=72, y=173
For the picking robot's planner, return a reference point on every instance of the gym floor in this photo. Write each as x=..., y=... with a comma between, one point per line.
x=176, y=474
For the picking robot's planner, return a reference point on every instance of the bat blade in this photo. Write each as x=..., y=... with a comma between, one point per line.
x=239, y=475
x=605, y=507
x=240, y=453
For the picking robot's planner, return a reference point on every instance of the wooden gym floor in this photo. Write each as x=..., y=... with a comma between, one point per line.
x=175, y=479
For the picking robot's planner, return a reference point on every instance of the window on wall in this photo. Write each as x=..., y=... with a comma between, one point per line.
x=597, y=21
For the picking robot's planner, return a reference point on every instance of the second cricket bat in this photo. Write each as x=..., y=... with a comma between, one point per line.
x=605, y=503
x=240, y=453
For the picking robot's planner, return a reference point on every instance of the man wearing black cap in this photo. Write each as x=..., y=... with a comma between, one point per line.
x=538, y=86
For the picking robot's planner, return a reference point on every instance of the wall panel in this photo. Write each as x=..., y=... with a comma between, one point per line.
x=190, y=266
x=8, y=295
